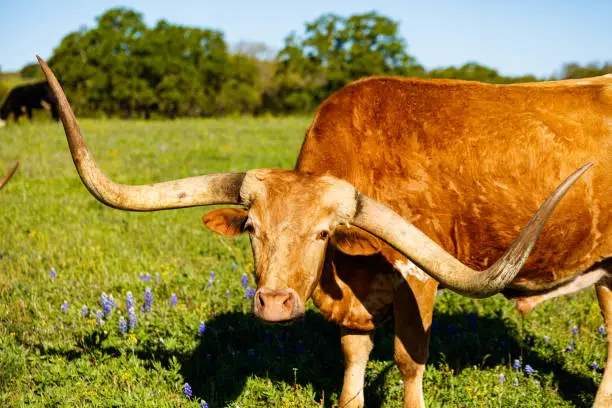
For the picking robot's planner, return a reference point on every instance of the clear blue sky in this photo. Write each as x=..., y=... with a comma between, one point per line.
x=515, y=36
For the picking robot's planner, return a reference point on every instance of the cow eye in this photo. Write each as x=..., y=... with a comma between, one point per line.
x=323, y=235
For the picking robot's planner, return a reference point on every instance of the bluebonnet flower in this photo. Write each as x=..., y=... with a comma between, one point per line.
x=65, y=306
x=574, y=331
x=99, y=317
x=228, y=294
x=173, y=300
x=84, y=311
x=148, y=300
x=147, y=277
x=203, y=404
x=529, y=370
x=234, y=266
x=572, y=344
x=502, y=378
x=530, y=341
x=601, y=330
x=132, y=318
x=594, y=365
x=516, y=364
x=515, y=382
x=249, y=293
x=129, y=301
x=251, y=353
x=537, y=383
x=201, y=329
x=244, y=281
x=212, y=276
x=546, y=339
x=53, y=273
x=122, y=325
x=209, y=357
x=569, y=349
x=157, y=277
x=187, y=390
x=107, y=303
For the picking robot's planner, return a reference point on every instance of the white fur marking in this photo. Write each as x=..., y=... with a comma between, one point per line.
x=408, y=268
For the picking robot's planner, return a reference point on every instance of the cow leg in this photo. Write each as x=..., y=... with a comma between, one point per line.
x=413, y=311
x=604, y=295
x=356, y=347
x=527, y=304
x=29, y=113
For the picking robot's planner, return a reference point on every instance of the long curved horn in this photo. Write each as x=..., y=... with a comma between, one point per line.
x=6, y=178
x=210, y=189
x=442, y=266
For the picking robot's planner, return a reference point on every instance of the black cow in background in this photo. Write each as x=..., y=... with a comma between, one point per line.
x=27, y=97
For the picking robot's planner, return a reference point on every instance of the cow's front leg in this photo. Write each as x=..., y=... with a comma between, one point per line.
x=356, y=347
x=413, y=311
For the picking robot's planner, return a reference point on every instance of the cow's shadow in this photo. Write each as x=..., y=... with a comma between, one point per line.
x=236, y=346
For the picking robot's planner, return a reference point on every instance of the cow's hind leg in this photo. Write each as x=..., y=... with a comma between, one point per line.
x=356, y=347
x=413, y=311
x=604, y=295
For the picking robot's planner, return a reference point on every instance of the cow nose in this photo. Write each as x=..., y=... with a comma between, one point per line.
x=273, y=305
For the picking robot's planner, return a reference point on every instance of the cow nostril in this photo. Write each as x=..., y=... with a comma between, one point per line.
x=261, y=301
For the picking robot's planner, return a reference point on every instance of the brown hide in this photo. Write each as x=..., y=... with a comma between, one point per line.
x=469, y=163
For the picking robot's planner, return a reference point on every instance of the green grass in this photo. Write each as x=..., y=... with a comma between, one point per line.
x=51, y=358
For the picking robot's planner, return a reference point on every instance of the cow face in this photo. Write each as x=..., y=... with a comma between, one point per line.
x=289, y=217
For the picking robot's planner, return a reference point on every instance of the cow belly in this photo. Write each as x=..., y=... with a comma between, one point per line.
x=356, y=291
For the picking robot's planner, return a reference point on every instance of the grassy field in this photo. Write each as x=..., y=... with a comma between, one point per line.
x=55, y=354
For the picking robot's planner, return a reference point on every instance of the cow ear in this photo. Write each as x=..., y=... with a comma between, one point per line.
x=355, y=241
x=226, y=221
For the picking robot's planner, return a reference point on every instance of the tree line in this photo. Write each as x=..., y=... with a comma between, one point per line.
x=121, y=67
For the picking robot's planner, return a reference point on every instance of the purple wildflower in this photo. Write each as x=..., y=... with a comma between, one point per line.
x=84, y=311
x=546, y=339
x=132, y=319
x=594, y=365
x=234, y=266
x=99, y=317
x=173, y=300
x=515, y=382
x=530, y=341
x=148, y=300
x=502, y=378
x=203, y=404
x=64, y=307
x=129, y=301
x=157, y=277
x=228, y=294
x=574, y=331
x=187, y=390
x=209, y=357
x=569, y=349
x=251, y=353
x=122, y=325
x=201, y=329
x=572, y=344
x=212, y=276
x=107, y=303
x=146, y=277
x=249, y=293
x=53, y=273
x=244, y=281
x=516, y=364
x=601, y=330
x=529, y=370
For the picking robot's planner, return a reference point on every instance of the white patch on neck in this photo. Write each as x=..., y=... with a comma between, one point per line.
x=408, y=268
x=2, y=123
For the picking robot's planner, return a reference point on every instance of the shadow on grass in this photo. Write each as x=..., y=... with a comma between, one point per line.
x=236, y=346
